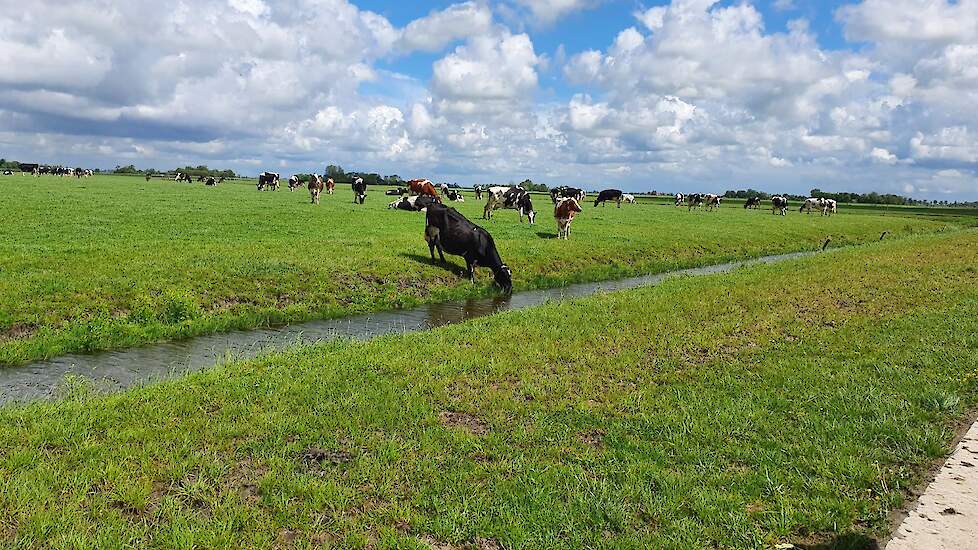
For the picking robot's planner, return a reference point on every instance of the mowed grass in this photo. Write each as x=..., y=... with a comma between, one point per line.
x=109, y=262
x=781, y=403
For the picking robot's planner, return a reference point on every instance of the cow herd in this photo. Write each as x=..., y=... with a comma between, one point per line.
x=779, y=204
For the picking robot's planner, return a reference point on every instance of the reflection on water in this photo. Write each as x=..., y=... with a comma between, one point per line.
x=116, y=370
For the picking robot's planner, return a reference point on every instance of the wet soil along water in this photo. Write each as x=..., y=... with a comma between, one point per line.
x=117, y=370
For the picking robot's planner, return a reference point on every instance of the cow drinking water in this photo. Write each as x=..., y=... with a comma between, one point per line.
x=449, y=231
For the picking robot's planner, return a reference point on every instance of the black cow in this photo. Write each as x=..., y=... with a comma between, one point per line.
x=753, y=202
x=450, y=231
x=564, y=192
x=359, y=190
x=608, y=195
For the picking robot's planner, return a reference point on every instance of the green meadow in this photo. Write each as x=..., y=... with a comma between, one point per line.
x=787, y=403
x=110, y=262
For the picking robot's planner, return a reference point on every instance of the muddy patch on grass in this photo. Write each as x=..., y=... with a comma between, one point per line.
x=244, y=479
x=592, y=438
x=478, y=543
x=18, y=331
x=316, y=458
x=464, y=421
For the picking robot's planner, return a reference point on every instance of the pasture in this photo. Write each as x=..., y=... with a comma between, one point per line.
x=792, y=403
x=108, y=262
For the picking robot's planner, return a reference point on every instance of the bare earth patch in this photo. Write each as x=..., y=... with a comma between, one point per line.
x=593, y=438
x=466, y=421
x=322, y=457
x=18, y=331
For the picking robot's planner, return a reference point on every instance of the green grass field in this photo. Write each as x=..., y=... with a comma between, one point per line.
x=793, y=402
x=109, y=262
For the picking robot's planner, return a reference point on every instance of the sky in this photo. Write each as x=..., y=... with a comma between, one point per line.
x=687, y=95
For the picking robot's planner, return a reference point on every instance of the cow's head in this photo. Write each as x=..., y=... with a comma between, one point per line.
x=504, y=278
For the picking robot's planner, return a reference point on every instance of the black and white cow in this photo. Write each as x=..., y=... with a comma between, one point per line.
x=294, y=182
x=680, y=199
x=359, y=190
x=515, y=198
x=607, y=195
x=752, y=202
x=454, y=195
x=779, y=205
x=417, y=203
x=449, y=231
x=210, y=182
x=395, y=192
x=184, y=177
x=478, y=192
x=268, y=180
x=694, y=200
x=810, y=204
x=565, y=192
x=829, y=207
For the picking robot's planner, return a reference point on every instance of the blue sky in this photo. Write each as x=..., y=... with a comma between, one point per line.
x=681, y=95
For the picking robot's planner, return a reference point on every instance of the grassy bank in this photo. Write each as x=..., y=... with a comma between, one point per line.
x=791, y=402
x=109, y=262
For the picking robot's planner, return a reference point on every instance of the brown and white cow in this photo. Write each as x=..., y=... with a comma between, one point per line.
x=315, y=187
x=422, y=187
x=564, y=213
x=330, y=185
x=712, y=201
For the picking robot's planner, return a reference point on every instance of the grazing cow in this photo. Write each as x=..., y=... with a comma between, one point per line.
x=148, y=177
x=448, y=230
x=8, y=173
x=359, y=190
x=712, y=201
x=210, y=182
x=268, y=180
x=200, y=179
x=315, y=187
x=220, y=180
x=422, y=187
x=811, y=204
x=515, y=198
x=444, y=188
x=184, y=177
x=680, y=199
x=478, y=192
x=694, y=200
x=752, y=202
x=294, y=182
x=608, y=195
x=779, y=205
x=330, y=185
x=628, y=198
x=829, y=207
x=454, y=195
x=564, y=213
x=564, y=192
x=36, y=172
